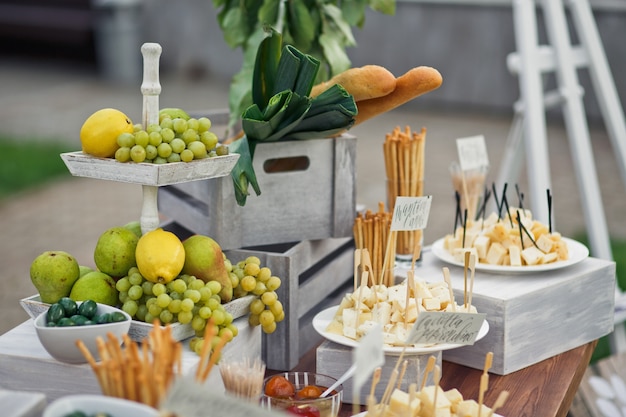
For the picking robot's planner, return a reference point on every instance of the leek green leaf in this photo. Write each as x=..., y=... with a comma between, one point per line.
x=265, y=67
x=243, y=174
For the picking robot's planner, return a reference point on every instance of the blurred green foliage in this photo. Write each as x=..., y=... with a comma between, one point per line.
x=28, y=163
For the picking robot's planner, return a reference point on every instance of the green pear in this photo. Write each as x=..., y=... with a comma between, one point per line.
x=135, y=227
x=84, y=269
x=204, y=260
x=115, y=251
x=54, y=273
x=96, y=286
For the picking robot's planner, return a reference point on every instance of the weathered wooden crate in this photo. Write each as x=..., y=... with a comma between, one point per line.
x=533, y=317
x=315, y=275
x=312, y=196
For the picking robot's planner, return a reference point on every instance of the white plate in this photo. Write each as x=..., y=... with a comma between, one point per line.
x=364, y=413
x=324, y=317
x=91, y=404
x=577, y=253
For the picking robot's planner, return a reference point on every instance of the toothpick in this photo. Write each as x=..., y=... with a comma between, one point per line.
x=472, y=267
x=429, y=367
x=357, y=263
x=402, y=372
x=436, y=379
x=446, y=278
x=484, y=381
x=465, y=266
x=502, y=397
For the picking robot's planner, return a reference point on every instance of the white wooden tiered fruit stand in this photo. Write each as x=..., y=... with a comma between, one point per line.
x=26, y=364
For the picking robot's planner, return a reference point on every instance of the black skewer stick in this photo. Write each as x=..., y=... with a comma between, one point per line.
x=520, y=197
x=464, y=226
x=495, y=197
x=483, y=206
x=549, y=210
x=505, y=203
x=458, y=217
x=530, y=236
x=521, y=236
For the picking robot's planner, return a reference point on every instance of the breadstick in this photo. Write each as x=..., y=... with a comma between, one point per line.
x=363, y=83
x=412, y=84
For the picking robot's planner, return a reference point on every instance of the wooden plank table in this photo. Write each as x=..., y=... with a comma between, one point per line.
x=545, y=389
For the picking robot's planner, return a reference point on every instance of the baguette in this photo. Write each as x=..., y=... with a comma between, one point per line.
x=363, y=83
x=412, y=84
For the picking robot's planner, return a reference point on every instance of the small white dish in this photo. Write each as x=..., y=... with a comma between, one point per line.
x=60, y=342
x=91, y=404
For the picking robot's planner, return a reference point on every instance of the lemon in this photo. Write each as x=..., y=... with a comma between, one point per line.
x=160, y=256
x=99, y=133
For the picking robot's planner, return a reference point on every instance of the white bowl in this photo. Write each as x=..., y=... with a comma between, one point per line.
x=91, y=404
x=60, y=342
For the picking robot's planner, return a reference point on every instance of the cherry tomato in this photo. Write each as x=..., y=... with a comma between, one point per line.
x=309, y=391
x=306, y=411
x=279, y=387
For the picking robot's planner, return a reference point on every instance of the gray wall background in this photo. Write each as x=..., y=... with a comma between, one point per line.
x=467, y=43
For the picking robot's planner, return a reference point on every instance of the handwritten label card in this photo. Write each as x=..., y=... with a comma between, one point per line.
x=472, y=152
x=368, y=355
x=446, y=327
x=189, y=398
x=411, y=213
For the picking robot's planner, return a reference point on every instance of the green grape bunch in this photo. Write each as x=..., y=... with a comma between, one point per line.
x=171, y=140
x=249, y=277
x=185, y=300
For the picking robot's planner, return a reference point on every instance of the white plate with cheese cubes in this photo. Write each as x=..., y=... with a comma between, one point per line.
x=324, y=317
x=577, y=253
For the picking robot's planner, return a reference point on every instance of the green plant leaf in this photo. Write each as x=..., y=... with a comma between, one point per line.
x=235, y=27
x=354, y=12
x=334, y=53
x=268, y=12
x=301, y=24
x=383, y=6
x=337, y=25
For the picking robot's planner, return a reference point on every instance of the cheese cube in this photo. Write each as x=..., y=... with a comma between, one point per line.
x=496, y=254
x=515, y=256
x=532, y=255
x=400, y=403
x=381, y=313
x=431, y=304
x=427, y=397
x=481, y=244
x=469, y=408
x=455, y=397
x=545, y=243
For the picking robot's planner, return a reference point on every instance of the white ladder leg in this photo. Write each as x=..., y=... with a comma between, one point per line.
x=531, y=92
x=602, y=80
x=578, y=130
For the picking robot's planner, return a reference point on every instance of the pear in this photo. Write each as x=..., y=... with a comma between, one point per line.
x=54, y=273
x=204, y=259
x=96, y=286
x=84, y=269
x=115, y=251
x=135, y=227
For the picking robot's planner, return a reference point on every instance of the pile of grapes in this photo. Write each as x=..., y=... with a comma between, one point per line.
x=251, y=278
x=172, y=140
x=188, y=300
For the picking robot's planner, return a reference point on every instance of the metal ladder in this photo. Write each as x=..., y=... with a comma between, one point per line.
x=530, y=63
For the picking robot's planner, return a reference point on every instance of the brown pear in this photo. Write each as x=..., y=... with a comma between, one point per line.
x=204, y=260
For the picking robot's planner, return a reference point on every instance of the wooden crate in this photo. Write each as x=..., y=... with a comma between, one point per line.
x=315, y=275
x=533, y=316
x=317, y=202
